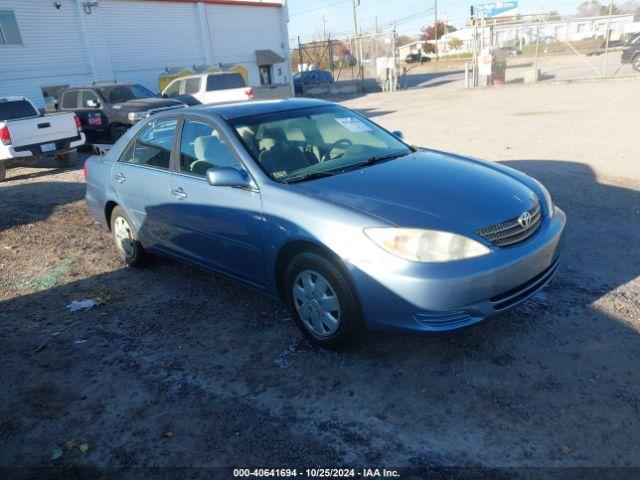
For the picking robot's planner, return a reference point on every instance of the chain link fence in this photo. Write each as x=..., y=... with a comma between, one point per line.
x=348, y=65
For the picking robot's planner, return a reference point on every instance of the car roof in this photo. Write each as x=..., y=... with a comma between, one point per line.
x=232, y=111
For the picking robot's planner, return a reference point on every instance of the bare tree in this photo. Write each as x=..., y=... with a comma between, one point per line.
x=589, y=8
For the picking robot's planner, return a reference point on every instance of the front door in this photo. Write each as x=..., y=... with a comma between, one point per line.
x=218, y=227
x=142, y=179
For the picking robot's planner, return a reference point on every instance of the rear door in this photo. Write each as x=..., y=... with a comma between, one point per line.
x=218, y=227
x=142, y=179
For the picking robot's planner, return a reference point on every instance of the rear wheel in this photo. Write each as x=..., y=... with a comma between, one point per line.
x=3, y=171
x=636, y=63
x=67, y=159
x=322, y=301
x=126, y=238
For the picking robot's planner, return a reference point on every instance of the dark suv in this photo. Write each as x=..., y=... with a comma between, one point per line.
x=107, y=110
x=631, y=52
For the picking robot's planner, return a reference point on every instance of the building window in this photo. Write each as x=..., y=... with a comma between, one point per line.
x=581, y=27
x=265, y=74
x=9, y=33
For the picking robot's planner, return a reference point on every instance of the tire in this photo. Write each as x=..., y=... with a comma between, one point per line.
x=635, y=63
x=117, y=131
x=67, y=159
x=3, y=171
x=333, y=323
x=126, y=239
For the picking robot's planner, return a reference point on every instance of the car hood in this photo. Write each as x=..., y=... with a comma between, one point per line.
x=142, y=104
x=428, y=190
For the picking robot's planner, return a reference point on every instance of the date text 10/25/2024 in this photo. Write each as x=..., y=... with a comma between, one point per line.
x=316, y=472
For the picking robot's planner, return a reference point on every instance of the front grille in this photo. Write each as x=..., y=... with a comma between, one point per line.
x=510, y=232
x=526, y=290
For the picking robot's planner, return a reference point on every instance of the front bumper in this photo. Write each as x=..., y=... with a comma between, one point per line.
x=434, y=298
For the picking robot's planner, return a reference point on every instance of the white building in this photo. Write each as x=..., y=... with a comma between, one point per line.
x=508, y=34
x=50, y=43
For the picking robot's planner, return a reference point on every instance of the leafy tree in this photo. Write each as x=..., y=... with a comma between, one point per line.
x=455, y=43
x=429, y=33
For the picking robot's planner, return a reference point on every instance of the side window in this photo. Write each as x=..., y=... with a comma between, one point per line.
x=152, y=146
x=70, y=99
x=202, y=147
x=192, y=85
x=173, y=90
x=85, y=97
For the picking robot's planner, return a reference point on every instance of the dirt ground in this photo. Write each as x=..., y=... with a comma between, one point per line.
x=175, y=367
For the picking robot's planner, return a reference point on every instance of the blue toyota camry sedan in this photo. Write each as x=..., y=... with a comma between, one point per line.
x=344, y=221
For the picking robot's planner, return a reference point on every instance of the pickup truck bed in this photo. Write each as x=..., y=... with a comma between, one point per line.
x=25, y=134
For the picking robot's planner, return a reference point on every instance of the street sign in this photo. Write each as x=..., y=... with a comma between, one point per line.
x=496, y=9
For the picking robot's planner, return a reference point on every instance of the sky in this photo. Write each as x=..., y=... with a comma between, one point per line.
x=306, y=16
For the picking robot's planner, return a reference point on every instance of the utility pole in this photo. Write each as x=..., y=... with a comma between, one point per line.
x=435, y=25
x=324, y=28
x=301, y=64
x=356, y=38
x=606, y=48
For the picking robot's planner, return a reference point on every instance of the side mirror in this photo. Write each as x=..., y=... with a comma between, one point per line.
x=228, y=177
x=398, y=134
x=93, y=104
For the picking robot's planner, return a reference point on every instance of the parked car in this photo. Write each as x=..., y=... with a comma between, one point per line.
x=107, y=110
x=631, y=52
x=210, y=88
x=311, y=78
x=510, y=51
x=417, y=57
x=312, y=203
x=25, y=134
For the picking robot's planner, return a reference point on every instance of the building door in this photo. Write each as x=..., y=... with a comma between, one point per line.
x=265, y=74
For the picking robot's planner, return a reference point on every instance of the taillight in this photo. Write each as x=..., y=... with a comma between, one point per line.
x=5, y=136
x=84, y=171
x=249, y=93
x=78, y=124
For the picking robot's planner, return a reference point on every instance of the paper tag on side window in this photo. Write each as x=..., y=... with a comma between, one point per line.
x=353, y=124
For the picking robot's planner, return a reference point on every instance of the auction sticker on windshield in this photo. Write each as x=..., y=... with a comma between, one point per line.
x=353, y=124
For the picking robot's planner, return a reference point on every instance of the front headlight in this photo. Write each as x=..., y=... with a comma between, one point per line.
x=546, y=197
x=420, y=245
x=135, y=116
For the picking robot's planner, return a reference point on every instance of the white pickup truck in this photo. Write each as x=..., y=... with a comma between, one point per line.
x=25, y=134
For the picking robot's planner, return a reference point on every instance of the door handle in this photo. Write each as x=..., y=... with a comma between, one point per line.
x=120, y=178
x=180, y=194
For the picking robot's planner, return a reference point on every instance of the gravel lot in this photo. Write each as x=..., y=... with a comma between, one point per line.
x=176, y=367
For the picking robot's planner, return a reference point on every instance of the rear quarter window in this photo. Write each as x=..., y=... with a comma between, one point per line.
x=191, y=86
x=69, y=100
x=16, y=109
x=225, y=81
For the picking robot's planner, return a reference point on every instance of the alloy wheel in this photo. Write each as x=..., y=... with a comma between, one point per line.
x=316, y=302
x=124, y=237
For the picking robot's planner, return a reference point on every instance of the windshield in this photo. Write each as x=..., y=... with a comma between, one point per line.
x=310, y=142
x=123, y=93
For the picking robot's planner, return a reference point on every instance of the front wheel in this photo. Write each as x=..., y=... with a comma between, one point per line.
x=126, y=238
x=322, y=301
x=67, y=159
x=635, y=63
